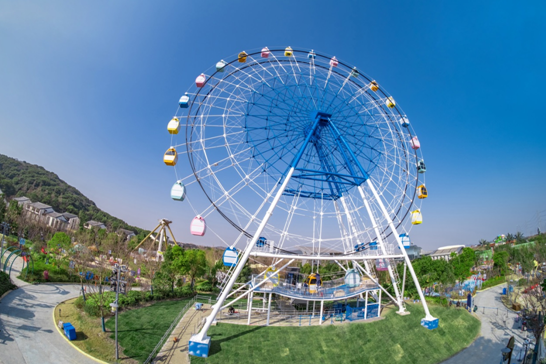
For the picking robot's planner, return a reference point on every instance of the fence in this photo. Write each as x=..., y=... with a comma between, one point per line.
x=169, y=331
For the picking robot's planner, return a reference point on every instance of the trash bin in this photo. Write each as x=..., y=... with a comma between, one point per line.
x=504, y=291
x=69, y=331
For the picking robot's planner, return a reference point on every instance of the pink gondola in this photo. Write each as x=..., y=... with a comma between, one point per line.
x=198, y=226
x=200, y=80
x=265, y=52
x=334, y=62
x=415, y=143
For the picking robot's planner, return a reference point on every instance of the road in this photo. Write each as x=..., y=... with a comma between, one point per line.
x=27, y=331
x=496, y=330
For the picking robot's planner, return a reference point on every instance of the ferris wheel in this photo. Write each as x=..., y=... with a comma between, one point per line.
x=305, y=156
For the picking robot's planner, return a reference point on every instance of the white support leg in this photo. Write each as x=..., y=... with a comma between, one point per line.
x=379, y=307
x=321, y=312
x=366, y=307
x=250, y=307
x=202, y=335
x=398, y=301
x=269, y=307
x=428, y=316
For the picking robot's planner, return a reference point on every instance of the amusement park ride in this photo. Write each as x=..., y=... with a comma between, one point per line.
x=309, y=159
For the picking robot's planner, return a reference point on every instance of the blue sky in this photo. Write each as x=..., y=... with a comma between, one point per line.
x=88, y=88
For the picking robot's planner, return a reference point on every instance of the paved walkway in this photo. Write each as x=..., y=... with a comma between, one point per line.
x=177, y=352
x=496, y=330
x=27, y=332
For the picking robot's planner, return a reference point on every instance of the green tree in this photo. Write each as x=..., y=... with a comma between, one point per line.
x=7, y=187
x=192, y=263
x=13, y=215
x=520, y=238
x=500, y=261
x=483, y=242
x=59, y=241
x=463, y=263
x=3, y=209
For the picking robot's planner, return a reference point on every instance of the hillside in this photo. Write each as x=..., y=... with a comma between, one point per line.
x=19, y=178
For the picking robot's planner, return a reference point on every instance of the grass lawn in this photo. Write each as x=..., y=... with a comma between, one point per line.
x=396, y=339
x=140, y=330
x=90, y=337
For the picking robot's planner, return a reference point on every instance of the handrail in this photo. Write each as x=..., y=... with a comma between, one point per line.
x=169, y=331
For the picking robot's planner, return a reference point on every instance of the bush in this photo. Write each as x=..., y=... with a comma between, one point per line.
x=204, y=286
x=5, y=283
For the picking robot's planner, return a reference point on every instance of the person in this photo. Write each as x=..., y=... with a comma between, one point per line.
x=231, y=310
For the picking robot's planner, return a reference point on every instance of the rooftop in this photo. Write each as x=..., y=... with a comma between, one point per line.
x=40, y=206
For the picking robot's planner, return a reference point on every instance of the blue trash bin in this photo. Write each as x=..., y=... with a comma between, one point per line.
x=504, y=291
x=69, y=331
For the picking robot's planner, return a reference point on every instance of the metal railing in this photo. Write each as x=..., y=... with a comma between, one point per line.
x=169, y=331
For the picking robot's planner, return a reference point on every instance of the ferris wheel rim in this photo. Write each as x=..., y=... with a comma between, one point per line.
x=191, y=125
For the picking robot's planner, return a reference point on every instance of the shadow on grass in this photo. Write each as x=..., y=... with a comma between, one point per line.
x=80, y=336
x=215, y=346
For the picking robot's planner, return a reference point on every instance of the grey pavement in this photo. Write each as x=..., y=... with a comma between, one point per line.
x=27, y=332
x=496, y=330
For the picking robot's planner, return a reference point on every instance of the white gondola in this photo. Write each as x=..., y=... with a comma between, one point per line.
x=230, y=257
x=178, y=191
x=352, y=278
x=220, y=66
x=198, y=226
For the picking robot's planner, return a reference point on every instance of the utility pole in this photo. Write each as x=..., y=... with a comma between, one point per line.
x=118, y=284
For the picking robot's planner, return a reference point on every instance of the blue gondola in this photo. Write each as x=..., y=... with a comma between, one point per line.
x=373, y=245
x=404, y=122
x=178, y=191
x=406, y=242
x=312, y=55
x=230, y=257
x=421, y=168
x=360, y=247
x=184, y=101
x=261, y=242
x=220, y=66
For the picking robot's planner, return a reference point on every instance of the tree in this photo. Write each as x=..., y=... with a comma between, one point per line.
x=7, y=187
x=3, y=209
x=483, y=242
x=520, y=239
x=463, y=263
x=510, y=237
x=192, y=263
x=13, y=215
x=500, y=261
x=59, y=241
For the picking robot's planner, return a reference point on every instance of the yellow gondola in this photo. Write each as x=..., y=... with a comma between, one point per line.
x=171, y=157
x=416, y=217
x=288, y=52
x=374, y=86
x=273, y=275
x=242, y=57
x=422, y=192
x=313, y=282
x=390, y=102
x=174, y=126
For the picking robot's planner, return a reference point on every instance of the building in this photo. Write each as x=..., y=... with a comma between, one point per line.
x=73, y=221
x=127, y=233
x=94, y=224
x=22, y=200
x=37, y=211
x=445, y=252
x=56, y=221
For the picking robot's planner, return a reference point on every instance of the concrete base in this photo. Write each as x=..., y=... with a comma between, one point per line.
x=430, y=324
x=403, y=313
x=199, y=347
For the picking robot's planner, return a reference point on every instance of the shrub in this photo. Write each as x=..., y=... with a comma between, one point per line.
x=204, y=286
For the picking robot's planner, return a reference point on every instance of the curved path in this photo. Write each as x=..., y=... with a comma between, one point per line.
x=27, y=332
x=497, y=328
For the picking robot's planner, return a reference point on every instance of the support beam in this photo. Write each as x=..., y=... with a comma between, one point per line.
x=428, y=316
x=325, y=257
x=250, y=307
x=398, y=300
x=269, y=307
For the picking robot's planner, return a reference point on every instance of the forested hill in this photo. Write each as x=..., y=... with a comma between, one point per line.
x=19, y=178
